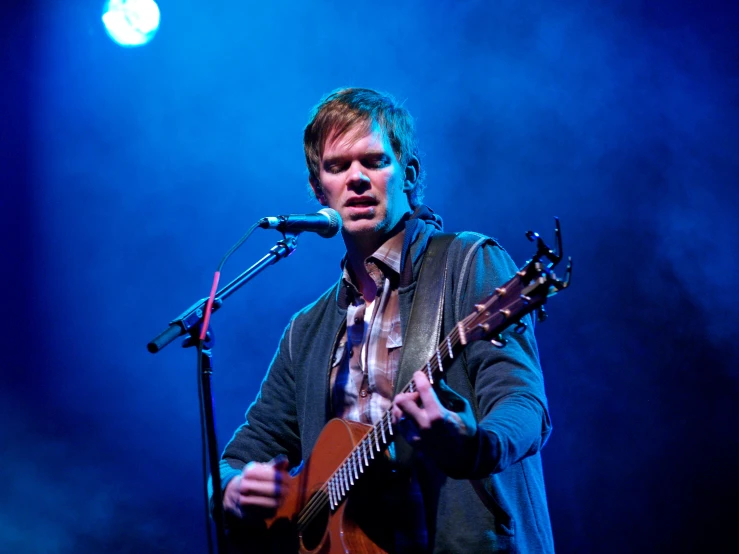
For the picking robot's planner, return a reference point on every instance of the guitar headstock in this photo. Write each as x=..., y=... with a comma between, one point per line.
x=527, y=291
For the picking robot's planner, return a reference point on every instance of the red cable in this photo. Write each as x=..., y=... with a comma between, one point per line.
x=209, y=305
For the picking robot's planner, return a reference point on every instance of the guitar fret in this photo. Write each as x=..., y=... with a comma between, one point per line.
x=438, y=358
x=364, y=451
x=377, y=441
x=354, y=465
x=449, y=347
x=369, y=446
x=331, y=497
x=389, y=423
x=430, y=372
x=462, y=335
x=349, y=471
x=382, y=430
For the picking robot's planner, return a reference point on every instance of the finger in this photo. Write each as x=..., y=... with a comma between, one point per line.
x=251, y=487
x=396, y=413
x=406, y=398
x=259, y=471
x=421, y=380
x=429, y=400
x=280, y=463
x=414, y=412
x=282, y=477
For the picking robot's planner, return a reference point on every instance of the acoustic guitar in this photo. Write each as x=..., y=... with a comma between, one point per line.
x=315, y=510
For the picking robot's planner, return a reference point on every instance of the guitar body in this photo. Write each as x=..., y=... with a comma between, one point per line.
x=332, y=531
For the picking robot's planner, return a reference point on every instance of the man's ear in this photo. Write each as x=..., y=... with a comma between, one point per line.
x=412, y=169
x=318, y=191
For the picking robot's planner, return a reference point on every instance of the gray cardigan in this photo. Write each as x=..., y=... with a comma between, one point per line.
x=497, y=500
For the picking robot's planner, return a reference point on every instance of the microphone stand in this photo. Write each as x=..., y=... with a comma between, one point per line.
x=189, y=322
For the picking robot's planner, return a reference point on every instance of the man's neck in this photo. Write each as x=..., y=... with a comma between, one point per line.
x=358, y=249
x=355, y=258
x=362, y=280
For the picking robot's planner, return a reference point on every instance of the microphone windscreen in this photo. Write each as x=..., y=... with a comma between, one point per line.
x=335, y=222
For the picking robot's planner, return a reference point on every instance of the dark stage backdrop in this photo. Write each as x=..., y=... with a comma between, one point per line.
x=127, y=173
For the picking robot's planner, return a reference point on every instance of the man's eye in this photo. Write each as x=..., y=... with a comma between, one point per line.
x=335, y=168
x=377, y=163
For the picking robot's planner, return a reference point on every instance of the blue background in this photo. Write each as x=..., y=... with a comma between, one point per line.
x=127, y=173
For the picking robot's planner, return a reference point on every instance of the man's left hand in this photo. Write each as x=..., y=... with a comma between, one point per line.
x=447, y=436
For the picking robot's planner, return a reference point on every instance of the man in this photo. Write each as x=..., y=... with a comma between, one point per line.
x=472, y=481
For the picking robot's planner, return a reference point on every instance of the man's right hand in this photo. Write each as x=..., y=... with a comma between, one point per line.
x=263, y=486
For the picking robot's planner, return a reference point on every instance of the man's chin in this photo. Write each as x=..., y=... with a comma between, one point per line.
x=364, y=219
x=360, y=226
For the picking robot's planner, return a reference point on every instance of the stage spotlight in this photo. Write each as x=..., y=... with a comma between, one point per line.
x=131, y=22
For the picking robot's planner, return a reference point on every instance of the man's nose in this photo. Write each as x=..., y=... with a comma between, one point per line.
x=357, y=175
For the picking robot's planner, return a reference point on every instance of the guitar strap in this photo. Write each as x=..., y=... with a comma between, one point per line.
x=421, y=337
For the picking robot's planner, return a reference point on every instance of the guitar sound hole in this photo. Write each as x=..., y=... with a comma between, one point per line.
x=312, y=535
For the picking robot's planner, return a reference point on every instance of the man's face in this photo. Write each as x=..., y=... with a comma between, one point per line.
x=362, y=179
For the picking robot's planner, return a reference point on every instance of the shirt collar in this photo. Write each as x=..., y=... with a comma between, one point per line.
x=423, y=223
x=389, y=253
x=389, y=256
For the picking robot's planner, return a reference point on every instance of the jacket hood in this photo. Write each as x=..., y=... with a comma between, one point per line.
x=422, y=224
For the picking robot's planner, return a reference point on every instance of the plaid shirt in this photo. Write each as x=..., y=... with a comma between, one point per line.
x=365, y=365
x=366, y=358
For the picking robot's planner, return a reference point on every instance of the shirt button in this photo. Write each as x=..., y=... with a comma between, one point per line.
x=363, y=393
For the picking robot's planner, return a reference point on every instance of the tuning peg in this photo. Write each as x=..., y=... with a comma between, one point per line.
x=499, y=341
x=521, y=328
x=541, y=315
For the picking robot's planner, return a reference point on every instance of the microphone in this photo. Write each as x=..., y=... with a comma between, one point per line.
x=326, y=223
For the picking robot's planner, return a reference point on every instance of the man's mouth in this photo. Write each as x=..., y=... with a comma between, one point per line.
x=361, y=202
